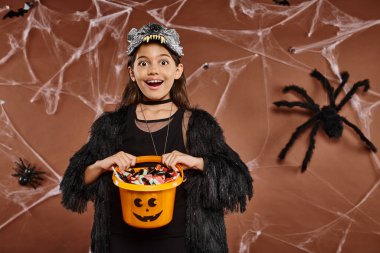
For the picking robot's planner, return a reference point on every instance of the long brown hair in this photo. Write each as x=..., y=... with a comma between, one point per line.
x=178, y=93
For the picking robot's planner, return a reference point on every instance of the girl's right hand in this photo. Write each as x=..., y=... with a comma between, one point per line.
x=121, y=159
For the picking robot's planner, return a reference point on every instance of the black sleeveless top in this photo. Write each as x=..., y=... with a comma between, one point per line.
x=138, y=143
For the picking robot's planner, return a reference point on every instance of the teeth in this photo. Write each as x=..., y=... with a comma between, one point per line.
x=154, y=81
x=154, y=37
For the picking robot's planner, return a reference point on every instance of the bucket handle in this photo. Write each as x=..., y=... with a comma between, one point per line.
x=156, y=159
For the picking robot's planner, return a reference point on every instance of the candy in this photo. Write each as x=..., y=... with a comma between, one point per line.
x=148, y=175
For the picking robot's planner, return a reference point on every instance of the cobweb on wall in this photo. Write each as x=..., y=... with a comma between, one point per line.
x=94, y=72
x=13, y=146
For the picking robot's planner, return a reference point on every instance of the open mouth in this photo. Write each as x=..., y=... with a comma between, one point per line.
x=154, y=83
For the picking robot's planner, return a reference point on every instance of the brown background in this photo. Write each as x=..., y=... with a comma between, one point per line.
x=63, y=63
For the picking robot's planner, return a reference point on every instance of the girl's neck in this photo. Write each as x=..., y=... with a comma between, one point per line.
x=156, y=110
x=156, y=102
x=157, y=105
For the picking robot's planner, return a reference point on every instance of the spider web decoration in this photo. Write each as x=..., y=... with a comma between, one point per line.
x=12, y=146
x=326, y=117
x=64, y=63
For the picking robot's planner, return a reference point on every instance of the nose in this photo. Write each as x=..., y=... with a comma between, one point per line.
x=153, y=69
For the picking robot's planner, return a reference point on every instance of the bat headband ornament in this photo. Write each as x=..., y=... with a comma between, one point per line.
x=154, y=32
x=21, y=11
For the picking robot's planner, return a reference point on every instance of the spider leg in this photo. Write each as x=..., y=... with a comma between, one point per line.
x=37, y=176
x=295, y=135
x=33, y=184
x=21, y=164
x=357, y=85
x=295, y=104
x=344, y=76
x=16, y=174
x=311, y=147
x=34, y=181
x=326, y=85
x=301, y=91
x=361, y=135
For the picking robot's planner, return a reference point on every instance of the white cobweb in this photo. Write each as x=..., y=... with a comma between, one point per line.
x=94, y=73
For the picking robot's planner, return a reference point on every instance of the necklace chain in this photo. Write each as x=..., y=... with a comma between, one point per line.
x=150, y=133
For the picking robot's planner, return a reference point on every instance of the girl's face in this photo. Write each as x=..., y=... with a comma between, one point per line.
x=154, y=70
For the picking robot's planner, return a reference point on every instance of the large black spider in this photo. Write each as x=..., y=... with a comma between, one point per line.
x=27, y=174
x=328, y=116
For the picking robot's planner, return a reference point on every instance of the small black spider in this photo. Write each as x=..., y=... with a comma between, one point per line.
x=27, y=174
x=328, y=116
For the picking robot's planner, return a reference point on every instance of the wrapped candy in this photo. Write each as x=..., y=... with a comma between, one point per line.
x=156, y=175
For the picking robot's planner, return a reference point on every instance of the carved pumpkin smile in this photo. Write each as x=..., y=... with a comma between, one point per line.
x=150, y=207
x=147, y=218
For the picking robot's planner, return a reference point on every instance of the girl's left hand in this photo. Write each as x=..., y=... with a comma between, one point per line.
x=171, y=159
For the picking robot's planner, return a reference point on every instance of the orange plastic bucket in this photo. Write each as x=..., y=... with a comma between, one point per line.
x=148, y=206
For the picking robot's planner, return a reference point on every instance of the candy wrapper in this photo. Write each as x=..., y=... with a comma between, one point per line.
x=148, y=175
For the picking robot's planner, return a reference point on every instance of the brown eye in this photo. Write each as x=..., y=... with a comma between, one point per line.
x=138, y=202
x=142, y=63
x=151, y=202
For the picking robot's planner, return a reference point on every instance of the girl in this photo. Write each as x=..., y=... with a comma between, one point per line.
x=155, y=118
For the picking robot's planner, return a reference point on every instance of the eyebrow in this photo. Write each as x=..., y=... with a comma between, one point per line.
x=143, y=56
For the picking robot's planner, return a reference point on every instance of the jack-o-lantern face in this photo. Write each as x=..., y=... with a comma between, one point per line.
x=146, y=209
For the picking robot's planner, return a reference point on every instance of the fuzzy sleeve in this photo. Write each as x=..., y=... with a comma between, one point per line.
x=225, y=182
x=75, y=193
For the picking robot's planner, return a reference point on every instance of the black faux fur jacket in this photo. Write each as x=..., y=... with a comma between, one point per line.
x=224, y=185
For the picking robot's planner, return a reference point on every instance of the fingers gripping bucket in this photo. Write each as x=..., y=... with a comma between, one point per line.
x=148, y=206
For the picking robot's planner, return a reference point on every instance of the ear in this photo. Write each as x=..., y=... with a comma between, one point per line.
x=179, y=71
x=131, y=74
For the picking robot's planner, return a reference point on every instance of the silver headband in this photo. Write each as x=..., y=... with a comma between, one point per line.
x=154, y=32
